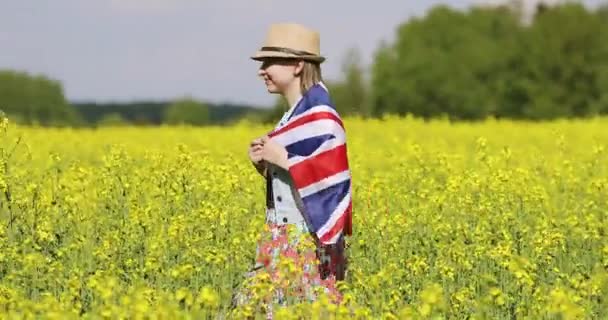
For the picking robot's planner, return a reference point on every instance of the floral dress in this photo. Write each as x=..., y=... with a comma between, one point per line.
x=288, y=270
x=290, y=267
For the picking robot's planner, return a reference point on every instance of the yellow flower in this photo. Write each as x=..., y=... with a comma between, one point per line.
x=183, y=295
x=208, y=298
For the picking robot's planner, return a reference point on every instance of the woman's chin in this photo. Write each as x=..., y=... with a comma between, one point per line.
x=272, y=88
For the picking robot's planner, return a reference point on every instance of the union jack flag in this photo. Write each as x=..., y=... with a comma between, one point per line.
x=315, y=140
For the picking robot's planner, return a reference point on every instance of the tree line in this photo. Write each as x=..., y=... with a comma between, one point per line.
x=463, y=64
x=487, y=63
x=185, y=110
x=38, y=100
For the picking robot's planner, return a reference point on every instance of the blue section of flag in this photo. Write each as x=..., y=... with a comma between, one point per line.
x=307, y=146
x=321, y=204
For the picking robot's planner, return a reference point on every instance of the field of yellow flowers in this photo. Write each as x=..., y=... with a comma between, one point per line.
x=492, y=220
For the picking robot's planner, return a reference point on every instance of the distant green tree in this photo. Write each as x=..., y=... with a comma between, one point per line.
x=602, y=78
x=350, y=93
x=448, y=62
x=602, y=12
x=490, y=62
x=187, y=111
x=35, y=99
x=560, y=66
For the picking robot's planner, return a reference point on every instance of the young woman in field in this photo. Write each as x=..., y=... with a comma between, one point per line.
x=308, y=182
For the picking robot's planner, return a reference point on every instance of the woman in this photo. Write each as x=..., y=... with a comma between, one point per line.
x=304, y=162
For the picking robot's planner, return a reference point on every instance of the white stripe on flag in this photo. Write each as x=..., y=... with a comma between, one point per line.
x=315, y=109
x=338, y=212
x=309, y=130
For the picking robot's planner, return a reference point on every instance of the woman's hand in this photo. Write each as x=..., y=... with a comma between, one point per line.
x=255, y=150
x=274, y=153
x=255, y=155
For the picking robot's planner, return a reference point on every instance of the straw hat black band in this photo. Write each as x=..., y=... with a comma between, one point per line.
x=287, y=50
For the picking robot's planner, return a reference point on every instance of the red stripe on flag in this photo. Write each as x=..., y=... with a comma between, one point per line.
x=338, y=226
x=320, y=166
x=348, y=224
x=306, y=119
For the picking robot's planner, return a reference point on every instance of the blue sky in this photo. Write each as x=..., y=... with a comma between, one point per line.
x=124, y=50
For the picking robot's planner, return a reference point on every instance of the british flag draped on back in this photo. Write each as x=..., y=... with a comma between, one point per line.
x=315, y=140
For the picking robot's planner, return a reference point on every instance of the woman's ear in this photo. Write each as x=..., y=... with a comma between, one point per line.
x=299, y=68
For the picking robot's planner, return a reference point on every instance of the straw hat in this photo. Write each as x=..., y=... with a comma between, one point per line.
x=290, y=40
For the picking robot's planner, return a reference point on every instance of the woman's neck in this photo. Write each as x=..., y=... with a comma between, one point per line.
x=292, y=93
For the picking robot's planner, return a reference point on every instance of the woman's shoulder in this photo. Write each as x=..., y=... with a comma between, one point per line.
x=318, y=95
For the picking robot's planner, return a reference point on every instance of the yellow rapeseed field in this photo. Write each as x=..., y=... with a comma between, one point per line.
x=492, y=220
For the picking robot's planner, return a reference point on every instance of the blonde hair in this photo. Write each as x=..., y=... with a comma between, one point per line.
x=310, y=75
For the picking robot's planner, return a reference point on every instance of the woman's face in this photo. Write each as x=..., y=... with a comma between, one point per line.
x=278, y=73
